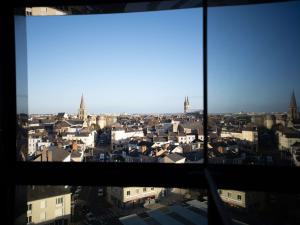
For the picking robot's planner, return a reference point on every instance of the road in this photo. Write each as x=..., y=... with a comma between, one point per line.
x=98, y=205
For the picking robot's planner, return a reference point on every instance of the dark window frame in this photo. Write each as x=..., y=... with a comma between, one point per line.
x=211, y=177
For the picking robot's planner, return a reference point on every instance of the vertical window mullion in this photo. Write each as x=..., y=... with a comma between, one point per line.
x=205, y=118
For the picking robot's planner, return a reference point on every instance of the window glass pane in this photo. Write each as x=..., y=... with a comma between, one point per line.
x=114, y=206
x=248, y=207
x=115, y=87
x=253, y=77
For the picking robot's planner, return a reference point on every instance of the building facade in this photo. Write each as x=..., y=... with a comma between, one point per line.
x=49, y=205
x=129, y=197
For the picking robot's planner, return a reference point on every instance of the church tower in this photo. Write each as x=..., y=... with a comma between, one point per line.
x=186, y=105
x=82, y=113
x=293, y=109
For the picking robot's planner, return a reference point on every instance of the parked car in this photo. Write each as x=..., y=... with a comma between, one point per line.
x=102, y=157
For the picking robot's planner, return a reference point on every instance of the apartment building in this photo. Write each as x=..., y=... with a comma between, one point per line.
x=49, y=205
x=127, y=197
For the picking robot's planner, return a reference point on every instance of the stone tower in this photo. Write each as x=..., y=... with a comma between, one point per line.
x=293, y=109
x=82, y=113
x=186, y=105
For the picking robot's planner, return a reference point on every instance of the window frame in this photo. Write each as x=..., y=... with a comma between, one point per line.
x=211, y=177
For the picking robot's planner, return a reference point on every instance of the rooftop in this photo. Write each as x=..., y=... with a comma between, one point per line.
x=41, y=192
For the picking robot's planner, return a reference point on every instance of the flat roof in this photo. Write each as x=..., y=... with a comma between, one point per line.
x=176, y=215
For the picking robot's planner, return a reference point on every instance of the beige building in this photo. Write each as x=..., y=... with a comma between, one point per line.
x=248, y=135
x=44, y=11
x=243, y=199
x=270, y=121
x=47, y=205
x=126, y=197
x=106, y=121
x=234, y=198
x=287, y=137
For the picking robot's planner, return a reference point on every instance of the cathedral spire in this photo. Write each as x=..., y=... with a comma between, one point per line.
x=186, y=104
x=82, y=113
x=82, y=106
x=293, y=109
x=293, y=103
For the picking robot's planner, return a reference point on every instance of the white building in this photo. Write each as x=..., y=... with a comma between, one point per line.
x=120, y=134
x=133, y=196
x=88, y=138
x=43, y=144
x=186, y=138
x=33, y=144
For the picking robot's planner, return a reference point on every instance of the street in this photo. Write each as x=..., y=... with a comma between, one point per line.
x=89, y=201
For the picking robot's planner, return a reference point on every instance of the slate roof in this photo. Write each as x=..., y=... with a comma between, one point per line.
x=58, y=154
x=175, y=157
x=41, y=192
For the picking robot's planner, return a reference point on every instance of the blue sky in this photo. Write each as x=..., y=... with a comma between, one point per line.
x=148, y=62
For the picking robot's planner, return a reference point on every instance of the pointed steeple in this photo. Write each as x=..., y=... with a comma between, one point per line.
x=82, y=106
x=82, y=113
x=293, y=109
x=293, y=103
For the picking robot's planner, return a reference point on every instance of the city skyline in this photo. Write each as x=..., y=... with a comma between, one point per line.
x=147, y=62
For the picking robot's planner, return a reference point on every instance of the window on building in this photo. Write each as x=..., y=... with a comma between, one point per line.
x=29, y=207
x=128, y=193
x=239, y=197
x=43, y=204
x=29, y=219
x=229, y=195
x=59, y=200
x=144, y=189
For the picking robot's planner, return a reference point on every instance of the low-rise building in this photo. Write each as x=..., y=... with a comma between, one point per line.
x=128, y=197
x=287, y=137
x=33, y=141
x=243, y=199
x=121, y=134
x=186, y=138
x=87, y=137
x=48, y=205
x=246, y=134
